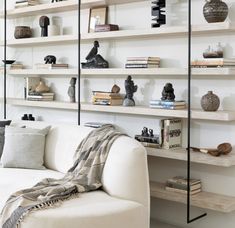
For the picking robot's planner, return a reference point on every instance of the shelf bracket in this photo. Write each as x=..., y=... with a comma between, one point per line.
x=189, y=220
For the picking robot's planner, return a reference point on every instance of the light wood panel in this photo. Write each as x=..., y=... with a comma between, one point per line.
x=137, y=110
x=206, y=200
x=196, y=157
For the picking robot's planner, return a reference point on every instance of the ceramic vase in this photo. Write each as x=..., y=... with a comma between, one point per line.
x=215, y=11
x=210, y=102
x=22, y=32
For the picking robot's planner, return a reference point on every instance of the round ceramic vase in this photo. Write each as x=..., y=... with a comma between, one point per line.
x=210, y=102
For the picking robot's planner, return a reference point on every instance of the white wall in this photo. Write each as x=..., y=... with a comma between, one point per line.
x=173, y=51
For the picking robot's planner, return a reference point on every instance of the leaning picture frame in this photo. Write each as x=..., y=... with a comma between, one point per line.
x=97, y=16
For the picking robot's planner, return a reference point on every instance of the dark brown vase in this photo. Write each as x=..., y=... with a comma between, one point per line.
x=210, y=102
x=22, y=32
x=215, y=11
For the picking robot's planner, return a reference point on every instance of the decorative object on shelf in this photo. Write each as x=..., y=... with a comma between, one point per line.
x=215, y=11
x=22, y=32
x=106, y=28
x=42, y=87
x=40, y=96
x=172, y=105
x=49, y=66
x=25, y=117
x=210, y=102
x=158, y=12
x=16, y=66
x=56, y=1
x=94, y=60
x=25, y=3
x=211, y=53
x=130, y=88
x=209, y=62
x=115, y=89
x=148, y=139
x=8, y=61
x=142, y=62
x=222, y=149
x=71, y=90
x=50, y=59
x=98, y=16
x=53, y=30
x=168, y=93
x=44, y=22
x=31, y=118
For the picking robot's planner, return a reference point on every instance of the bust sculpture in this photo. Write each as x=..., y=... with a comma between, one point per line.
x=94, y=60
x=168, y=93
x=44, y=22
x=130, y=88
x=71, y=90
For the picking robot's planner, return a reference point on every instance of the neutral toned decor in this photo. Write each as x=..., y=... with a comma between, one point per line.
x=210, y=102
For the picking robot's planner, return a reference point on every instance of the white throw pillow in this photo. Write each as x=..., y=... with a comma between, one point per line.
x=24, y=148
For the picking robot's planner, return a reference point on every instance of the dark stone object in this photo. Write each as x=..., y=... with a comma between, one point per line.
x=215, y=11
x=57, y=1
x=31, y=118
x=168, y=93
x=28, y=117
x=44, y=22
x=159, y=13
x=210, y=102
x=94, y=60
x=50, y=59
x=130, y=88
x=22, y=32
x=71, y=90
x=25, y=117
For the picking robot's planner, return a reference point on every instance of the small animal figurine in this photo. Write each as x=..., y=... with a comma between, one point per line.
x=94, y=60
x=168, y=93
x=130, y=90
x=50, y=59
x=71, y=90
x=44, y=22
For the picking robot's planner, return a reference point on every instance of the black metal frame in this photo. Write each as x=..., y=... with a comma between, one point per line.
x=189, y=220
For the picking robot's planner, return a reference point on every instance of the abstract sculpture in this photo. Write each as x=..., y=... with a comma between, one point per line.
x=159, y=13
x=44, y=22
x=130, y=90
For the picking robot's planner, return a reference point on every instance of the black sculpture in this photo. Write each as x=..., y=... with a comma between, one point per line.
x=94, y=60
x=56, y=1
x=159, y=13
x=71, y=90
x=44, y=22
x=50, y=59
x=168, y=93
x=130, y=90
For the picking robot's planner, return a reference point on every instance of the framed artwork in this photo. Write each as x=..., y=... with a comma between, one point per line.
x=98, y=16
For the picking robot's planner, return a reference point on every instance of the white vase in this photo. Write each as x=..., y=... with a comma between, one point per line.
x=53, y=30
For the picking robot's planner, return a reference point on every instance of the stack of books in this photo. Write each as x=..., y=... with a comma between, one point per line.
x=216, y=62
x=51, y=66
x=107, y=98
x=171, y=133
x=179, y=184
x=16, y=66
x=24, y=3
x=35, y=96
x=143, y=62
x=172, y=105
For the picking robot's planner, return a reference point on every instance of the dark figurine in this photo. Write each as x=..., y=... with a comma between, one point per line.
x=56, y=1
x=130, y=90
x=145, y=132
x=94, y=60
x=159, y=13
x=71, y=90
x=168, y=93
x=44, y=22
x=50, y=59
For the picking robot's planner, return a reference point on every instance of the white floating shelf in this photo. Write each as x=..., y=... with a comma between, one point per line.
x=181, y=72
x=55, y=7
x=196, y=157
x=206, y=200
x=125, y=34
x=137, y=110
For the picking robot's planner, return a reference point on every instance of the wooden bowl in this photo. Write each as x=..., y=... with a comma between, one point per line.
x=225, y=148
x=22, y=32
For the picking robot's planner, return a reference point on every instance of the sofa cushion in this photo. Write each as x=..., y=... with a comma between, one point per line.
x=24, y=147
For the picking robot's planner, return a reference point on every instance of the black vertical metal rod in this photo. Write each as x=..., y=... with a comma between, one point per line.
x=79, y=62
x=189, y=220
x=5, y=66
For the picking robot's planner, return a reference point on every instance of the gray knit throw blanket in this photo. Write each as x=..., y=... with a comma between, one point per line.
x=84, y=176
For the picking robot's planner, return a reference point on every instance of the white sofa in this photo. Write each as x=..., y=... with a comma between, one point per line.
x=123, y=201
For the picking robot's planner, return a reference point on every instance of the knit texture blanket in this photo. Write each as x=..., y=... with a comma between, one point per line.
x=85, y=175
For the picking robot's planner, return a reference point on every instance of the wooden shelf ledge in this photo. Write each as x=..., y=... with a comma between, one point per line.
x=137, y=110
x=206, y=200
x=196, y=157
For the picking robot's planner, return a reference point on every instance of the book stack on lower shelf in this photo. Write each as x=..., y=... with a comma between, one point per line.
x=107, y=98
x=180, y=185
x=216, y=62
x=173, y=105
x=16, y=66
x=37, y=96
x=52, y=66
x=25, y=3
x=142, y=62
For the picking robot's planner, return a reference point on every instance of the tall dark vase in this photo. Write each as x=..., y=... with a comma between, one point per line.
x=215, y=11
